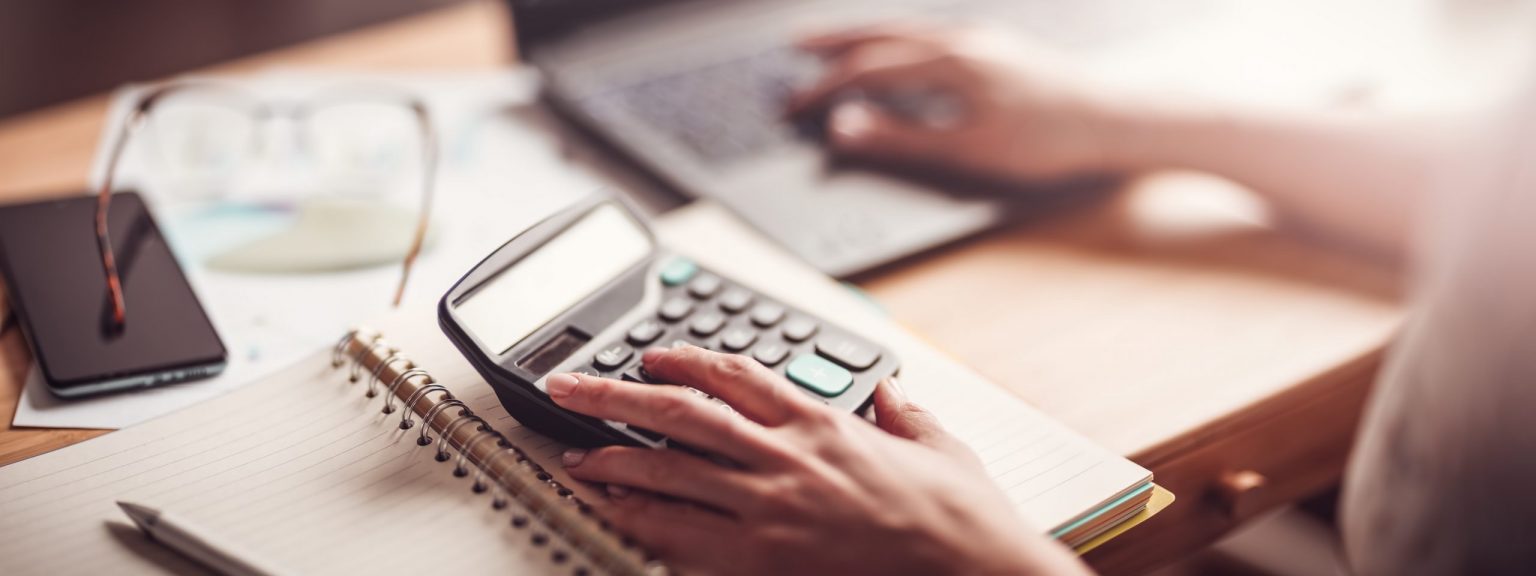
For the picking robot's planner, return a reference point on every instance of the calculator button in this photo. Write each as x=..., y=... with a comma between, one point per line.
x=675, y=309
x=738, y=339
x=735, y=300
x=852, y=354
x=799, y=329
x=771, y=354
x=707, y=324
x=704, y=286
x=646, y=332
x=680, y=342
x=678, y=271
x=819, y=375
x=614, y=356
x=766, y=314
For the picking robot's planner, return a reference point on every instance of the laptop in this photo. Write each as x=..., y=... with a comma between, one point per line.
x=693, y=91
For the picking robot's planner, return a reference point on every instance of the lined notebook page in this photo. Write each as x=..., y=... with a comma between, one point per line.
x=300, y=468
x=1052, y=473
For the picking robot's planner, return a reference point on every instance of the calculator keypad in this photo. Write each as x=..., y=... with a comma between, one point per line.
x=702, y=309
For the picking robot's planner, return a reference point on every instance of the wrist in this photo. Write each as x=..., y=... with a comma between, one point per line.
x=1145, y=133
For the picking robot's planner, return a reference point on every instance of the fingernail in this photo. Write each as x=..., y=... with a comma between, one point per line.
x=651, y=354
x=618, y=492
x=573, y=457
x=851, y=120
x=560, y=385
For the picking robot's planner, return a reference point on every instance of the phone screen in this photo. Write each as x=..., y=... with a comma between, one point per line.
x=58, y=290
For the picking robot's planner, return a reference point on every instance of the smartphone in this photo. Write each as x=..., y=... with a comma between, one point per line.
x=58, y=290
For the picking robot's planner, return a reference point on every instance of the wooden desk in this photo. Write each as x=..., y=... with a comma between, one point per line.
x=1166, y=321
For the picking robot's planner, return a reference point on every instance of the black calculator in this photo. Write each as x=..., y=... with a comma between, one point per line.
x=587, y=289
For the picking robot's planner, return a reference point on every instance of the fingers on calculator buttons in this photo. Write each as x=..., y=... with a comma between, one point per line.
x=646, y=332
x=799, y=329
x=735, y=300
x=675, y=309
x=766, y=314
x=678, y=271
x=738, y=339
x=704, y=286
x=707, y=323
x=771, y=354
x=636, y=374
x=614, y=356
x=819, y=375
x=852, y=354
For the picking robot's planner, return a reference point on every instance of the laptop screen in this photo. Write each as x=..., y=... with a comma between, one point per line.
x=539, y=21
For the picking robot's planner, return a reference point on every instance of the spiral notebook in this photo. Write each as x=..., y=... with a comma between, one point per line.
x=390, y=455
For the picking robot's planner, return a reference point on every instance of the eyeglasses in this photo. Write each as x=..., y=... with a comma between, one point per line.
x=246, y=106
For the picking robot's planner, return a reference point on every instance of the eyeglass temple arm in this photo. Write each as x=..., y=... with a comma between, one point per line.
x=104, y=199
x=428, y=184
x=104, y=205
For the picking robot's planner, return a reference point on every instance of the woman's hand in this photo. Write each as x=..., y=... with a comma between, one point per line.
x=1010, y=110
x=813, y=491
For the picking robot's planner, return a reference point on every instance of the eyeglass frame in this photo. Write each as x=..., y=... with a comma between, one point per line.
x=138, y=116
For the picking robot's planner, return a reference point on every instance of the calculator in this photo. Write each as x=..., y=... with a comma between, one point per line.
x=587, y=289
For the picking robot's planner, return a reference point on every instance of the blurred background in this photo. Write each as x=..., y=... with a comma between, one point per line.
x=57, y=50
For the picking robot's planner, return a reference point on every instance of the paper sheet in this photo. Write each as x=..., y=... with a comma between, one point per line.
x=500, y=171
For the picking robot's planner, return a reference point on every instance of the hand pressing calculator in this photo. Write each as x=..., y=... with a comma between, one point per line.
x=588, y=288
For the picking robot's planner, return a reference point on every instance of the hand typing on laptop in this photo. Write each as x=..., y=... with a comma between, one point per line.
x=810, y=490
x=1013, y=111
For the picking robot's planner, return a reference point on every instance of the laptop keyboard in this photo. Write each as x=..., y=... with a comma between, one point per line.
x=723, y=111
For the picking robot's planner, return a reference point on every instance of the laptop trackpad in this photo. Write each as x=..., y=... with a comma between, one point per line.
x=846, y=219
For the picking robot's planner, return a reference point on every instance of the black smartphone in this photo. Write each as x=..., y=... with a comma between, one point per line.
x=53, y=273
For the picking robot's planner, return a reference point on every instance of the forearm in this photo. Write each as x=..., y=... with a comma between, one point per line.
x=1357, y=176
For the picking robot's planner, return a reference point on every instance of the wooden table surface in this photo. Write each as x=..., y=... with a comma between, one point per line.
x=1167, y=320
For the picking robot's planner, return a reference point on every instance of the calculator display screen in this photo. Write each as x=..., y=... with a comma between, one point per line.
x=509, y=306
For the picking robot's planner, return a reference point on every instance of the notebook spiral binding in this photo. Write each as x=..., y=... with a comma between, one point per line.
x=555, y=507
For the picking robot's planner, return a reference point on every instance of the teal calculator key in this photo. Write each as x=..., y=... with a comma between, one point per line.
x=678, y=271
x=819, y=375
